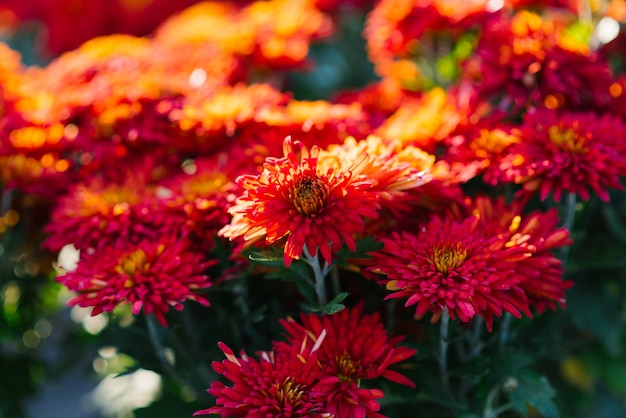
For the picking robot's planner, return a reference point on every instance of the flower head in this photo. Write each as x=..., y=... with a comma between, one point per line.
x=454, y=266
x=567, y=153
x=527, y=59
x=194, y=203
x=276, y=385
x=355, y=348
x=391, y=176
x=96, y=214
x=293, y=199
x=536, y=232
x=150, y=276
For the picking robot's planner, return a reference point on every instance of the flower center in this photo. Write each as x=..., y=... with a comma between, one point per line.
x=348, y=370
x=130, y=264
x=203, y=185
x=491, y=142
x=448, y=258
x=567, y=139
x=309, y=195
x=289, y=392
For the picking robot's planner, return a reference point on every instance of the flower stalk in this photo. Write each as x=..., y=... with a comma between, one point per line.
x=319, y=274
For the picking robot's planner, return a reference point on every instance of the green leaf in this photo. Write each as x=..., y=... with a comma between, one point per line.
x=299, y=272
x=335, y=305
x=363, y=247
x=535, y=391
x=331, y=307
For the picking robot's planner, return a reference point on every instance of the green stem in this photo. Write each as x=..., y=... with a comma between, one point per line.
x=443, y=349
x=569, y=211
x=504, y=331
x=477, y=344
x=391, y=315
x=155, y=338
x=488, y=411
x=569, y=214
x=319, y=274
x=334, y=279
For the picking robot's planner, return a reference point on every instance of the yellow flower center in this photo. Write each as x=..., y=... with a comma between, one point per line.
x=203, y=185
x=309, y=195
x=348, y=370
x=491, y=142
x=132, y=263
x=567, y=139
x=289, y=392
x=448, y=258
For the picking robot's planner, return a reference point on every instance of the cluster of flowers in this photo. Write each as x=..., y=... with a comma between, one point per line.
x=317, y=372
x=152, y=149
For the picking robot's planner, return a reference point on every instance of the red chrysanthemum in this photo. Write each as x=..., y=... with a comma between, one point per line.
x=526, y=59
x=567, y=153
x=538, y=234
x=277, y=385
x=454, y=266
x=151, y=276
x=96, y=214
x=293, y=199
x=355, y=348
x=193, y=203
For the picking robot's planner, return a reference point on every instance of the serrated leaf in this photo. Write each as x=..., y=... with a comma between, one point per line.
x=335, y=305
x=534, y=391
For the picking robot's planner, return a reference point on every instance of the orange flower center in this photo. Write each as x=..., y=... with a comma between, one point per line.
x=114, y=200
x=448, y=258
x=202, y=185
x=309, y=195
x=289, y=392
x=132, y=263
x=491, y=142
x=348, y=370
x=567, y=139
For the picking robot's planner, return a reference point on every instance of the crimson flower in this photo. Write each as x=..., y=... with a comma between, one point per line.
x=528, y=59
x=294, y=199
x=453, y=266
x=96, y=214
x=569, y=152
x=151, y=276
x=537, y=233
x=193, y=203
x=276, y=385
x=355, y=348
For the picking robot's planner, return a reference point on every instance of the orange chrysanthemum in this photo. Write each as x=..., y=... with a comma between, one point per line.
x=394, y=28
x=295, y=200
x=388, y=169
